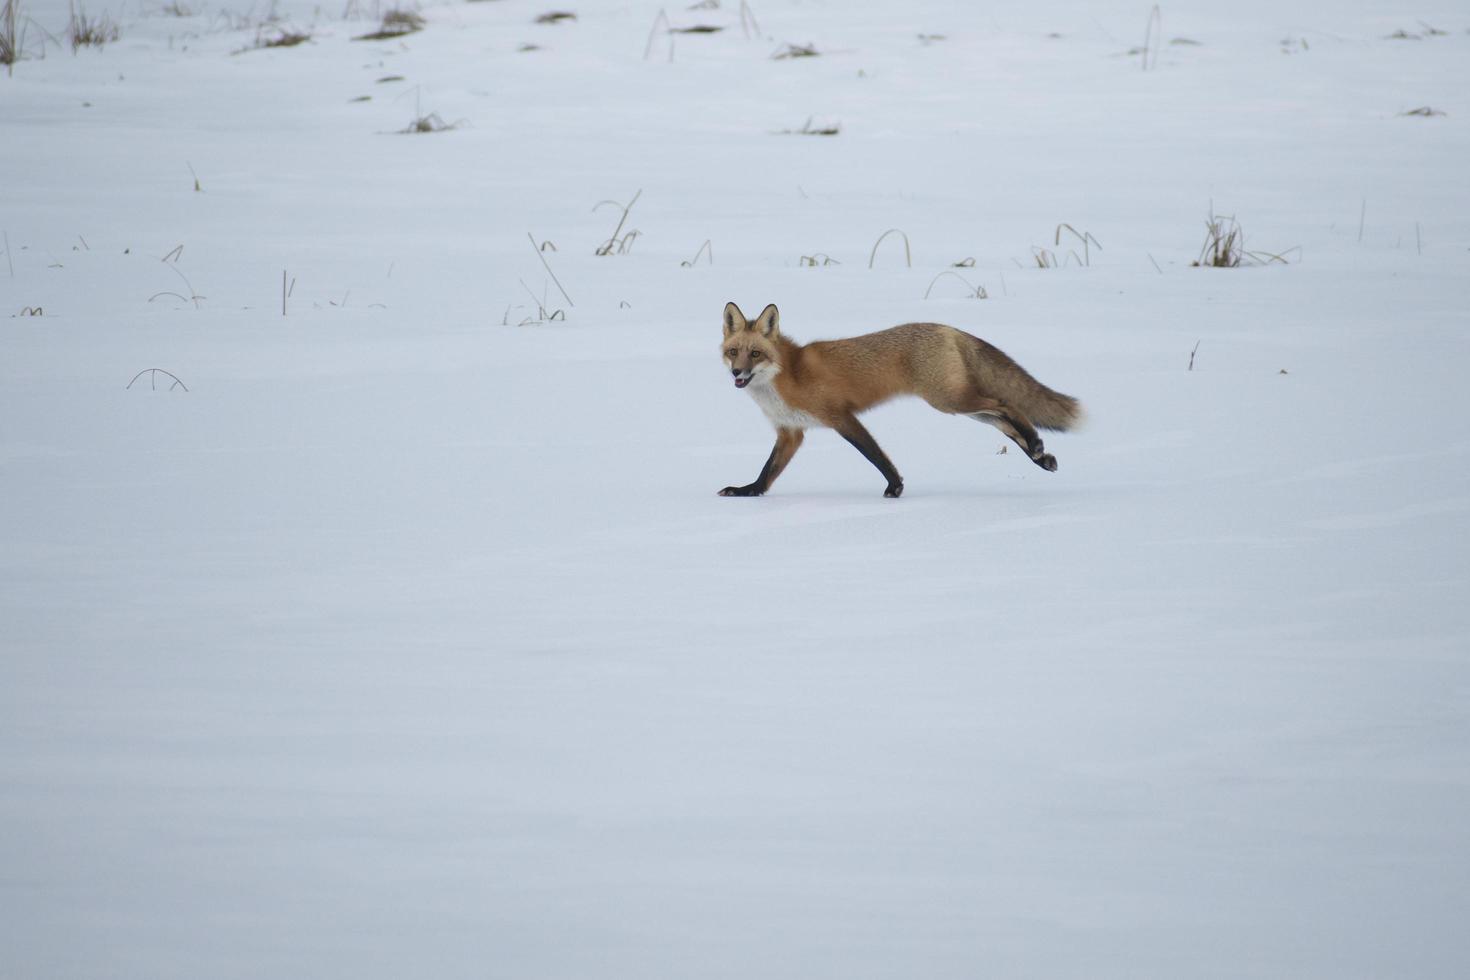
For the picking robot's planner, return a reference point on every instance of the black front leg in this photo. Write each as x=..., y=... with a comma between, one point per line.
x=852, y=430
x=787, y=442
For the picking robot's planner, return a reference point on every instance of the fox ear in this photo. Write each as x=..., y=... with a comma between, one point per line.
x=734, y=319
x=769, y=322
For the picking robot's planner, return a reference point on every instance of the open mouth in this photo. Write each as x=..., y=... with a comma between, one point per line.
x=742, y=382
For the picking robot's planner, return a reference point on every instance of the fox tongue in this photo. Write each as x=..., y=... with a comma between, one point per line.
x=741, y=382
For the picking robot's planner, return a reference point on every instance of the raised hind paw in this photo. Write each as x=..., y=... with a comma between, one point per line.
x=1046, y=461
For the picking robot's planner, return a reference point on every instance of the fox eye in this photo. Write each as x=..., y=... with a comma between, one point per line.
x=731, y=352
x=755, y=355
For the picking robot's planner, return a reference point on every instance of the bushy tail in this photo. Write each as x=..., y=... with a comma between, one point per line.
x=1049, y=409
x=998, y=376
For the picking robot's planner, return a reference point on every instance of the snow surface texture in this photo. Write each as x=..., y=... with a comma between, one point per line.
x=413, y=641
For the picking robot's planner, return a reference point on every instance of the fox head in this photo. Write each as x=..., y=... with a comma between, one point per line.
x=750, y=348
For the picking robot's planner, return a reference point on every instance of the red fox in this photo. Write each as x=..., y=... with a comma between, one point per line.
x=827, y=383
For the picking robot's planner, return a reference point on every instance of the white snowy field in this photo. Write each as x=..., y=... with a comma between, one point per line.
x=412, y=639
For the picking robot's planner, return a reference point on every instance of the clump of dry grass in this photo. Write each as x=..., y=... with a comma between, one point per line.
x=396, y=23
x=11, y=42
x=1423, y=110
x=431, y=123
x=555, y=17
x=283, y=39
x=1429, y=31
x=1224, y=243
x=1224, y=246
x=402, y=20
x=84, y=31
x=808, y=129
x=796, y=51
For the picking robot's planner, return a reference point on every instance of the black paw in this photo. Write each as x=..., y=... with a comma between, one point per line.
x=746, y=491
x=894, y=489
x=1047, y=462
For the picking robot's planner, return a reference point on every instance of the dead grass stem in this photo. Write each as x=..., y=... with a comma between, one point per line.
x=908, y=258
x=976, y=292
x=621, y=242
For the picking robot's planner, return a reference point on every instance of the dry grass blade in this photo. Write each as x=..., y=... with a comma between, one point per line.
x=662, y=20
x=153, y=374
x=908, y=258
x=547, y=266
x=976, y=292
x=1084, y=237
x=542, y=314
x=555, y=17
x=1267, y=258
x=193, y=296
x=820, y=258
x=747, y=21
x=706, y=250
x=1153, y=37
x=1423, y=110
x=620, y=242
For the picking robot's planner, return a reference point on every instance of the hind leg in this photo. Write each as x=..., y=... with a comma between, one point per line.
x=1020, y=431
x=967, y=400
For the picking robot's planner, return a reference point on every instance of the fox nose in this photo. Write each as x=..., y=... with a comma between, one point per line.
x=735, y=371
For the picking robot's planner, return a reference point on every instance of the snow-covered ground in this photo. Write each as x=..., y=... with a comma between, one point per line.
x=413, y=641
